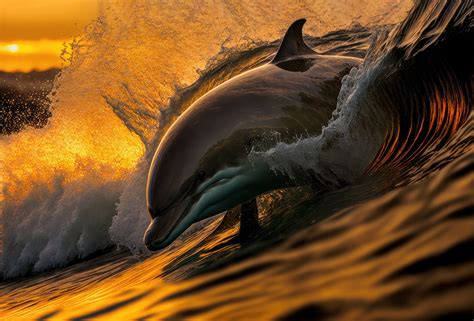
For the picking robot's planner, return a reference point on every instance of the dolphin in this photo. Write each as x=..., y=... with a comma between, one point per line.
x=201, y=166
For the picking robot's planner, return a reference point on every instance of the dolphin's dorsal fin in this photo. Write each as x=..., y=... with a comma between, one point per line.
x=293, y=43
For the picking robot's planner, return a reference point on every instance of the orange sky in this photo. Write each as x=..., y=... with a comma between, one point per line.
x=32, y=32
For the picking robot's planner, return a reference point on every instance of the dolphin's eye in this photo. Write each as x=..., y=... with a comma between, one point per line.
x=201, y=175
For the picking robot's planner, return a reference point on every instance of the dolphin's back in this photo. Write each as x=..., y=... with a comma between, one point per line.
x=292, y=98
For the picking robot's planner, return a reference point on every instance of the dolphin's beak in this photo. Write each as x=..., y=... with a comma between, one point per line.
x=157, y=236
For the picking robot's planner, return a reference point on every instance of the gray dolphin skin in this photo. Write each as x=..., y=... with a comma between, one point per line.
x=201, y=166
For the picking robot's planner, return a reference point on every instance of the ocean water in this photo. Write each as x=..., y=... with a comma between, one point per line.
x=390, y=237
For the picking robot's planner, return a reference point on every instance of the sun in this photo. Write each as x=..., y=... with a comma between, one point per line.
x=13, y=48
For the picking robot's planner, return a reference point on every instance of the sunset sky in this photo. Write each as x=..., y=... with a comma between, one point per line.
x=32, y=32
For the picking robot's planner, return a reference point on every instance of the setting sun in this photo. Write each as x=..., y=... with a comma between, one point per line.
x=11, y=48
x=27, y=55
x=32, y=35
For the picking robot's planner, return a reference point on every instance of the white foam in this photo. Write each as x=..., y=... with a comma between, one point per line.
x=345, y=147
x=132, y=218
x=58, y=223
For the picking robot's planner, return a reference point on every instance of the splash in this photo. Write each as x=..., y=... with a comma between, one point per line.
x=110, y=107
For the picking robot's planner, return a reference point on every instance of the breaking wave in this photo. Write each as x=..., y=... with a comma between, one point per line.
x=77, y=186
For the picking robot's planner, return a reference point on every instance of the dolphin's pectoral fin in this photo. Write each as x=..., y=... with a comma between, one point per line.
x=249, y=225
x=231, y=218
x=293, y=43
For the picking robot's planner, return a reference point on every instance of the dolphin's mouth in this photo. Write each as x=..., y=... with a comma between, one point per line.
x=159, y=233
x=156, y=235
x=164, y=229
x=226, y=189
